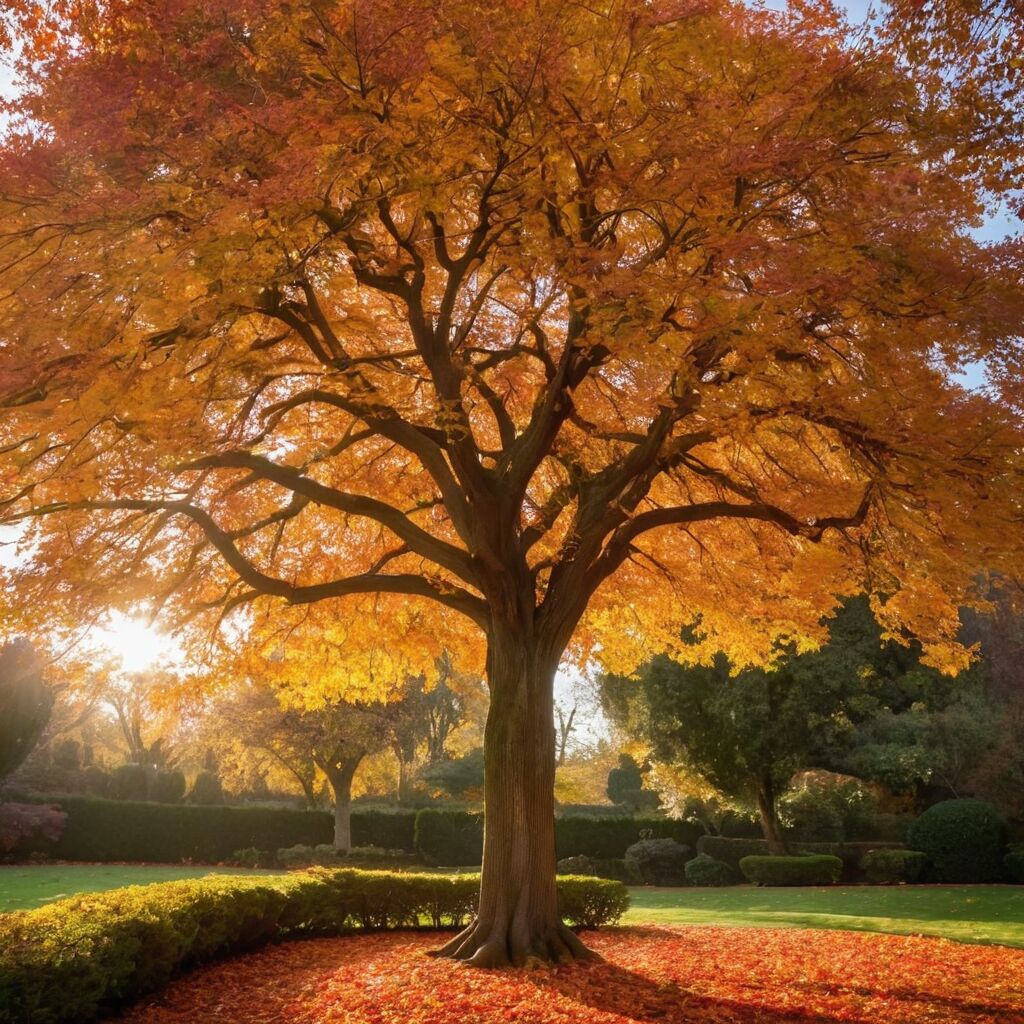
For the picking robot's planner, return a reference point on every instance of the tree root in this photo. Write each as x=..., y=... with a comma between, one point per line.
x=489, y=947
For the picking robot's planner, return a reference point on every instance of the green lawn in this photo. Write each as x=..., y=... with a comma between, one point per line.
x=22, y=888
x=970, y=913
x=975, y=913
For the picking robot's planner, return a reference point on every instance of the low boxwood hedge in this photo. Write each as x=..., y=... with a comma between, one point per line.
x=813, y=869
x=732, y=851
x=75, y=959
x=892, y=867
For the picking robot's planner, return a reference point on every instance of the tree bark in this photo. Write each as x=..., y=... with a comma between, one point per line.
x=768, y=814
x=518, y=921
x=340, y=774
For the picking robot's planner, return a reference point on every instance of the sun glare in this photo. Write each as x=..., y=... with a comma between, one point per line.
x=135, y=643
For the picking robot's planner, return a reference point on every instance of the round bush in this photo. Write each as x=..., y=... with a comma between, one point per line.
x=659, y=861
x=964, y=840
x=706, y=871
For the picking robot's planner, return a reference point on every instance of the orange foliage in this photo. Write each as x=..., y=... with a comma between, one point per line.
x=594, y=320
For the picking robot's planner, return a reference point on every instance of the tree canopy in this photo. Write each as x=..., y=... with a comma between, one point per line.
x=411, y=326
x=311, y=301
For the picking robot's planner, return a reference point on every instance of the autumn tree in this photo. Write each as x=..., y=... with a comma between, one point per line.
x=26, y=703
x=528, y=331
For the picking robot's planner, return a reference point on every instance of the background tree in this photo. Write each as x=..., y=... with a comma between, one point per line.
x=25, y=704
x=747, y=733
x=512, y=331
x=626, y=786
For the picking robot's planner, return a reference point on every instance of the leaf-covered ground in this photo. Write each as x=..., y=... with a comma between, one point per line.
x=669, y=976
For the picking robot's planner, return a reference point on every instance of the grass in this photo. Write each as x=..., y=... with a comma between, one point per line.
x=968, y=913
x=971, y=913
x=27, y=887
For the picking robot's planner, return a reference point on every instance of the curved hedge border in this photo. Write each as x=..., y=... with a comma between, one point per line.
x=70, y=961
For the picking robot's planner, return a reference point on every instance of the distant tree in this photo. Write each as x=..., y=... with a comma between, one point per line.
x=26, y=703
x=459, y=777
x=626, y=786
x=747, y=733
x=563, y=730
x=148, y=724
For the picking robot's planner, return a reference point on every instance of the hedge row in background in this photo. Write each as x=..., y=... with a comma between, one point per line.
x=811, y=869
x=455, y=838
x=732, y=851
x=121, y=830
x=71, y=961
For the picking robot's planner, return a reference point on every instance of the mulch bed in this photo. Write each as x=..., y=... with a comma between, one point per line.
x=657, y=975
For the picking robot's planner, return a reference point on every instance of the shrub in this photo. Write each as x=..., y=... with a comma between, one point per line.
x=813, y=869
x=75, y=959
x=964, y=840
x=891, y=867
x=619, y=869
x=251, y=857
x=111, y=830
x=456, y=838
x=659, y=861
x=1013, y=862
x=732, y=851
x=206, y=789
x=129, y=782
x=827, y=808
x=167, y=787
x=95, y=780
x=29, y=828
x=392, y=830
x=452, y=838
x=706, y=871
x=609, y=837
x=591, y=902
x=303, y=856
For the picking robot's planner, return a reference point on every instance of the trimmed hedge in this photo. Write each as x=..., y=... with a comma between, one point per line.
x=452, y=838
x=706, y=871
x=609, y=838
x=892, y=867
x=121, y=830
x=392, y=830
x=814, y=869
x=455, y=838
x=124, y=830
x=732, y=851
x=73, y=960
x=964, y=839
x=659, y=861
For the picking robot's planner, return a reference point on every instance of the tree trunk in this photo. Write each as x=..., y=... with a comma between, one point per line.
x=518, y=920
x=770, y=818
x=339, y=775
